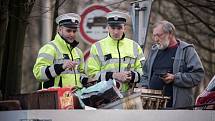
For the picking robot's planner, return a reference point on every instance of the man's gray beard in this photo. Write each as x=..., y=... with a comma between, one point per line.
x=163, y=46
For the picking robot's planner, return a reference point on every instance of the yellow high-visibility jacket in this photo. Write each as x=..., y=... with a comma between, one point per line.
x=108, y=56
x=48, y=67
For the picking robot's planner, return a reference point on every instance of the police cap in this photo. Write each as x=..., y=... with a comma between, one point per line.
x=116, y=18
x=70, y=20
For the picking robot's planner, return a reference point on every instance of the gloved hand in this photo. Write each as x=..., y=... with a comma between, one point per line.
x=69, y=65
x=122, y=76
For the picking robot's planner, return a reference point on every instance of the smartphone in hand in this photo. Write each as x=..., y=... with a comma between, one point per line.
x=161, y=75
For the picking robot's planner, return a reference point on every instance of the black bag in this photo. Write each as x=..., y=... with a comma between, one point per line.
x=97, y=100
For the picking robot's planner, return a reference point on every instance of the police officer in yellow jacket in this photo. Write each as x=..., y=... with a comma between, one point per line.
x=60, y=63
x=116, y=57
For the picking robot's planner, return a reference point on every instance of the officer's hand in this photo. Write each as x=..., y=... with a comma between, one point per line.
x=69, y=65
x=122, y=76
x=168, y=78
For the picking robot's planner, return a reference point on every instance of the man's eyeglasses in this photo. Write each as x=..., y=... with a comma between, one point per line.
x=159, y=35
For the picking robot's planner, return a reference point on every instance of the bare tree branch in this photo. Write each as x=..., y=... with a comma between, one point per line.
x=197, y=17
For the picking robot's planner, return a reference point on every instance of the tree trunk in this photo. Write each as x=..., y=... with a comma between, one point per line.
x=54, y=25
x=12, y=60
x=3, y=29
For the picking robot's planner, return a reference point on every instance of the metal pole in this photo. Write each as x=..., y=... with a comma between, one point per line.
x=140, y=14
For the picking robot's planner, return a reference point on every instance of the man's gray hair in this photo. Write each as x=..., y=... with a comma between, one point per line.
x=166, y=26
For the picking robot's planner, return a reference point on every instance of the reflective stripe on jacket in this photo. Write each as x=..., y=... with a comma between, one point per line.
x=50, y=59
x=110, y=55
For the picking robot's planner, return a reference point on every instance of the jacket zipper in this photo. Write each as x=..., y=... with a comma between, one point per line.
x=119, y=54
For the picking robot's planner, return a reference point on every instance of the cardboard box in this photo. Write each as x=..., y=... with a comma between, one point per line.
x=52, y=98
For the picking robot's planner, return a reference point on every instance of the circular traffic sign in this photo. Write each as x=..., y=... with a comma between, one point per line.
x=93, y=23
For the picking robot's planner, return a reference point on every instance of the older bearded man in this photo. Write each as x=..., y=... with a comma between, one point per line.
x=172, y=66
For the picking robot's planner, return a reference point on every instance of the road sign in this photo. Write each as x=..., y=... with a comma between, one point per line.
x=93, y=23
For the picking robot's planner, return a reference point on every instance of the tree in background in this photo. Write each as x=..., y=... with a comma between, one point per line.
x=14, y=18
x=3, y=29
